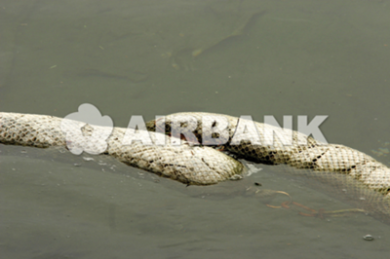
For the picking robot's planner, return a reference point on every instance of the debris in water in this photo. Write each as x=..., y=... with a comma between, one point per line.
x=368, y=237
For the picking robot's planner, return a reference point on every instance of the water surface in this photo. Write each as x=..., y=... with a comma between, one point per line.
x=157, y=57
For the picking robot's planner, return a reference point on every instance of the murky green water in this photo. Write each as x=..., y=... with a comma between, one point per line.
x=157, y=57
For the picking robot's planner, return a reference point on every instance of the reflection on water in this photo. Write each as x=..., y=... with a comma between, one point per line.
x=238, y=57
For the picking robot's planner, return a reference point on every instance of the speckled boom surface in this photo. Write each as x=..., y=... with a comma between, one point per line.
x=342, y=167
x=185, y=163
x=202, y=165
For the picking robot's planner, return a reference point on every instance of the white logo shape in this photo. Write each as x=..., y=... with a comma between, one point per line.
x=87, y=130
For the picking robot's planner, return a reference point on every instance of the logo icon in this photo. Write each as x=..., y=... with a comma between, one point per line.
x=87, y=130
